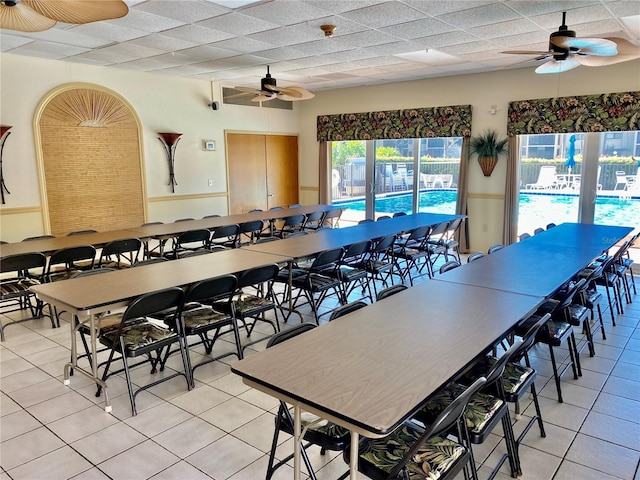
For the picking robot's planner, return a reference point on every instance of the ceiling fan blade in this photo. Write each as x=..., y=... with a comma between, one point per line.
x=263, y=98
x=527, y=52
x=555, y=66
x=23, y=19
x=588, y=46
x=252, y=91
x=626, y=51
x=79, y=11
x=300, y=94
x=625, y=47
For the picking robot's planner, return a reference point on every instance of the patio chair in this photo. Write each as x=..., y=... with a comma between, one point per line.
x=546, y=179
x=621, y=179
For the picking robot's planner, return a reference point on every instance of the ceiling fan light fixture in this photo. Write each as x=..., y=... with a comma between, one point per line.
x=328, y=30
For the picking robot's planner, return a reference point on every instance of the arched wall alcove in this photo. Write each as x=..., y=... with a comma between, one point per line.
x=89, y=149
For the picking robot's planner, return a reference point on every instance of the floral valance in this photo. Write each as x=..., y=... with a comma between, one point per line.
x=453, y=121
x=608, y=112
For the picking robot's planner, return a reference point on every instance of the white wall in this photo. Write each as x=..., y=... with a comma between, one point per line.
x=163, y=104
x=480, y=91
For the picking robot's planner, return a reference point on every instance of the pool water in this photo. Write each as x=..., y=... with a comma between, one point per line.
x=535, y=209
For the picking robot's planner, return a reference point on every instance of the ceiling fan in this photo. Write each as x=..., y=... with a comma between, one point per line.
x=39, y=15
x=269, y=90
x=566, y=51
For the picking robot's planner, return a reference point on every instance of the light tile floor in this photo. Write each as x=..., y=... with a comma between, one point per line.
x=222, y=429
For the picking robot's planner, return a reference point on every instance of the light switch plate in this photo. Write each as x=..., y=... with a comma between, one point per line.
x=209, y=145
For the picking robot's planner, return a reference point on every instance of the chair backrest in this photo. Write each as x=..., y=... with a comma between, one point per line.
x=218, y=288
x=227, y=232
x=475, y=256
x=314, y=218
x=366, y=220
x=294, y=331
x=153, y=302
x=183, y=220
x=356, y=250
x=325, y=258
x=23, y=262
x=529, y=338
x=332, y=216
x=450, y=265
x=251, y=229
x=524, y=236
x=384, y=217
x=439, y=230
x=293, y=222
x=384, y=244
x=211, y=216
x=81, y=232
x=68, y=256
x=38, y=237
x=444, y=422
x=129, y=247
x=192, y=236
x=295, y=205
x=343, y=310
x=151, y=223
x=399, y=214
x=256, y=210
x=567, y=297
x=276, y=208
x=538, y=230
x=550, y=225
x=419, y=234
x=389, y=291
x=495, y=248
x=255, y=276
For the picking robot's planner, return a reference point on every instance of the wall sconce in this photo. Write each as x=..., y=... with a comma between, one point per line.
x=169, y=142
x=4, y=134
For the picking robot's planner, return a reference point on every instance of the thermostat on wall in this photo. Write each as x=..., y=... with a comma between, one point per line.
x=209, y=145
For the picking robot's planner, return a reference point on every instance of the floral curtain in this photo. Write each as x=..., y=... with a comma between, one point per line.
x=607, y=112
x=452, y=121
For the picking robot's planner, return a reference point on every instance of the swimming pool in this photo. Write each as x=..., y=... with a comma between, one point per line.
x=535, y=209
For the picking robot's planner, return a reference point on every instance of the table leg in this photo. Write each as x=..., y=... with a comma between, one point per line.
x=297, y=438
x=354, y=453
x=94, y=360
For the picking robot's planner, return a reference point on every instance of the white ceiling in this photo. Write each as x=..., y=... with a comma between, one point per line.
x=376, y=41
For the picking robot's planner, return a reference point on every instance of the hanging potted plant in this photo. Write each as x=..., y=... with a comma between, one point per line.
x=488, y=147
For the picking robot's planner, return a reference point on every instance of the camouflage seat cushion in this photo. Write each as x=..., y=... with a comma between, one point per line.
x=435, y=457
x=17, y=288
x=139, y=334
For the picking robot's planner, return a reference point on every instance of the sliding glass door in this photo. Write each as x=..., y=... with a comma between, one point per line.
x=383, y=177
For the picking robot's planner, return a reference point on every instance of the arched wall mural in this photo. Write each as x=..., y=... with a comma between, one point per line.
x=89, y=148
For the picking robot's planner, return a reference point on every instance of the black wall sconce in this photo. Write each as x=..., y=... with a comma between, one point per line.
x=169, y=142
x=4, y=134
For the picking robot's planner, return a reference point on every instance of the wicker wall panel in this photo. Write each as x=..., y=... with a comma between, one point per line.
x=92, y=172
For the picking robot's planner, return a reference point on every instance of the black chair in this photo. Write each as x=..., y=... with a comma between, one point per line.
x=484, y=410
x=254, y=297
x=81, y=232
x=523, y=236
x=249, y=232
x=67, y=261
x=148, y=251
x=495, y=248
x=19, y=273
x=316, y=282
x=399, y=214
x=290, y=225
x=389, y=291
x=450, y=265
x=383, y=217
x=380, y=262
x=208, y=305
x=517, y=379
x=183, y=219
x=343, y=310
x=295, y=205
x=450, y=239
x=224, y=237
x=475, y=256
x=189, y=241
x=332, y=218
x=135, y=336
x=412, y=451
x=366, y=220
x=410, y=250
x=350, y=270
x=317, y=431
x=211, y=216
x=556, y=331
x=313, y=221
x=538, y=230
x=120, y=254
x=610, y=280
x=550, y=225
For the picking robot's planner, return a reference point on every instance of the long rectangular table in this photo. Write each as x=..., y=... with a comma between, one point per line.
x=90, y=296
x=372, y=369
x=540, y=264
